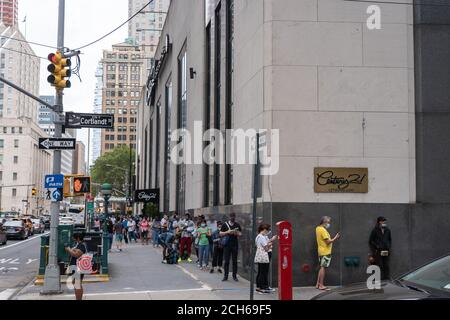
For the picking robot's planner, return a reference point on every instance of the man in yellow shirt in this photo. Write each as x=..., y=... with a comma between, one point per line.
x=324, y=248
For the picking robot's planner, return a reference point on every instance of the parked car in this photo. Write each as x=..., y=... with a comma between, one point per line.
x=3, y=235
x=38, y=225
x=16, y=229
x=431, y=281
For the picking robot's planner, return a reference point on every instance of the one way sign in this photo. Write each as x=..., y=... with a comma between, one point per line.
x=57, y=143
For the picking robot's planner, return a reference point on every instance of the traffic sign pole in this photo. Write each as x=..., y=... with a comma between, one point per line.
x=52, y=283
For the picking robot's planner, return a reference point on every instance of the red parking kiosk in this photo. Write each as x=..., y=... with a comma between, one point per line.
x=284, y=260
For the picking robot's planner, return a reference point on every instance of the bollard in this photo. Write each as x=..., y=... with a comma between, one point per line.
x=284, y=260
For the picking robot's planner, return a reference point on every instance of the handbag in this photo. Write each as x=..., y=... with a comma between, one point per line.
x=225, y=239
x=261, y=256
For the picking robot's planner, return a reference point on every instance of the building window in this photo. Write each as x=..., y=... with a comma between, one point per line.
x=1, y=158
x=168, y=114
x=16, y=159
x=14, y=193
x=182, y=120
x=14, y=176
x=2, y=143
x=16, y=143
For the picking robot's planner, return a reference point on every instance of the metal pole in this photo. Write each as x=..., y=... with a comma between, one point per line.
x=255, y=198
x=52, y=283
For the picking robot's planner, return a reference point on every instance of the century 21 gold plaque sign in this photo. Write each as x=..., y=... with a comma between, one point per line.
x=341, y=180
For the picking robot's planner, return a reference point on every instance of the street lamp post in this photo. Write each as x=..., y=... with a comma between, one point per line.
x=106, y=191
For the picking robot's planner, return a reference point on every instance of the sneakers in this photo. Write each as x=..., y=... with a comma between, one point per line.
x=225, y=279
x=212, y=271
x=189, y=259
x=236, y=279
x=179, y=260
x=270, y=290
x=219, y=271
x=262, y=291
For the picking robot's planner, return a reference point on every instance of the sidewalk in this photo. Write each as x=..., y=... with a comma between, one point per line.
x=137, y=273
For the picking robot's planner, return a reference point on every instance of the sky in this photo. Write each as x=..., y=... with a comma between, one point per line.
x=86, y=20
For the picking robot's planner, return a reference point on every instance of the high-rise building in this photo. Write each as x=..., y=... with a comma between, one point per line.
x=22, y=164
x=79, y=159
x=96, y=134
x=45, y=120
x=146, y=27
x=9, y=12
x=123, y=79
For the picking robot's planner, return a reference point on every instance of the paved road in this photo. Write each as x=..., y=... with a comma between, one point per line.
x=19, y=262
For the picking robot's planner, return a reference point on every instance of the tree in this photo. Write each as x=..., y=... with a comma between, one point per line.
x=113, y=168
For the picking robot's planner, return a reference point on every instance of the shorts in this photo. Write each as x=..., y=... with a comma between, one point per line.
x=324, y=261
x=81, y=276
x=119, y=237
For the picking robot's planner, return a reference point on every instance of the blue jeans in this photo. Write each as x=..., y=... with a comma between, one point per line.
x=155, y=237
x=203, y=255
x=132, y=235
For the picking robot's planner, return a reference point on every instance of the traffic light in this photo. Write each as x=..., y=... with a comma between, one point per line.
x=59, y=69
x=33, y=192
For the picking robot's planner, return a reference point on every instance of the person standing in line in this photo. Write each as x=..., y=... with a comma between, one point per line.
x=217, y=260
x=187, y=227
x=156, y=231
x=380, y=242
x=125, y=229
x=118, y=231
x=263, y=257
x=231, y=231
x=144, y=227
x=203, y=232
x=324, y=248
x=132, y=229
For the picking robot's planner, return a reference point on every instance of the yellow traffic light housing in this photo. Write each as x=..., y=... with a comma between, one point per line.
x=33, y=192
x=59, y=69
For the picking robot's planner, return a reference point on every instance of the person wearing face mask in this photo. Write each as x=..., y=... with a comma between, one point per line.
x=203, y=232
x=263, y=256
x=380, y=244
x=324, y=248
x=230, y=233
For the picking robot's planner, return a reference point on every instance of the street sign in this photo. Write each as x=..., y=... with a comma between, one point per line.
x=147, y=196
x=54, y=181
x=54, y=194
x=89, y=120
x=57, y=143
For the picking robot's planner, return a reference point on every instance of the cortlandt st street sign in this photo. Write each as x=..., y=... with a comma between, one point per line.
x=89, y=120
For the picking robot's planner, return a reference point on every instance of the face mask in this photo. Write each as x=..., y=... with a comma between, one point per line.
x=384, y=225
x=327, y=226
x=203, y=225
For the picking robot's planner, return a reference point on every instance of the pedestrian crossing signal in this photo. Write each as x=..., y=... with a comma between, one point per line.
x=81, y=185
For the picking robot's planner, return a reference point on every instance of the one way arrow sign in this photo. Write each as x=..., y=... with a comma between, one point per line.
x=57, y=143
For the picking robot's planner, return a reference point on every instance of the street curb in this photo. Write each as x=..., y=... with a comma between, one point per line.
x=39, y=281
